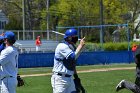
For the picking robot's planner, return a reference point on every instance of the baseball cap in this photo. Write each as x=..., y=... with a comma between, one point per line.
x=9, y=35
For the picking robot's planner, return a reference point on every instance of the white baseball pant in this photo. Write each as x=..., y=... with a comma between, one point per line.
x=8, y=85
x=61, y=84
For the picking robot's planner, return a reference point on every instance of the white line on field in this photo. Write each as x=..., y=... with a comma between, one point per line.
x=85, y=71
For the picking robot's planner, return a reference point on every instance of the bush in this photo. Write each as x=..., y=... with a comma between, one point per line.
x=115, y=46
x=89, y=47
x=109, y=46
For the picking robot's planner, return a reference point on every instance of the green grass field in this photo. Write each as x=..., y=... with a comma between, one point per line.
x=93, y=82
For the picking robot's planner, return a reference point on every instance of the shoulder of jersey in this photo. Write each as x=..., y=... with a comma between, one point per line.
x=62, y=45
x=10, y=48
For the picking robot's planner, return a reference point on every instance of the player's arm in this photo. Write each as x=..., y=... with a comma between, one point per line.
x=66, y=52
x=68, y=57
x=80, y=47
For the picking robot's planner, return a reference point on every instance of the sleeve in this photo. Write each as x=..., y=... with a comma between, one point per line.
x=4, y=58
x=66, y=52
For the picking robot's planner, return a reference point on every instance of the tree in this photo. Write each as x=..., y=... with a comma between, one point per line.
x=76, y=13
x=73, y=13
x=134, y=10
x=13, y=10
x=113, y=9
x=13, y=24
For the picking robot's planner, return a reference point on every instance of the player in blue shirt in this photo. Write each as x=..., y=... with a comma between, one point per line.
x=2, y=45
x=8, y=64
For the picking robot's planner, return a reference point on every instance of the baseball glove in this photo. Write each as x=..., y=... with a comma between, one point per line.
x=78, y=85
x=20, y=81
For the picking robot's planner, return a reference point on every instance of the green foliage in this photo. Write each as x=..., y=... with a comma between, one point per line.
x=13, y=24
x=115, y=46
x=109, y=46
x=89, y=47
x=113, y=10
x=70, y=13
x=43, y=22
x=75, y=12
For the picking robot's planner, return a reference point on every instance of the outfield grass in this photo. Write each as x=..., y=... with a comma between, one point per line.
x=39, y=70
x=94, y=82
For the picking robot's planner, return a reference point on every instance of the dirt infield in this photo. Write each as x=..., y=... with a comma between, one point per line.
x=85, y=71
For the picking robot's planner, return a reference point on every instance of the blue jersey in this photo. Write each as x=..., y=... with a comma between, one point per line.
x=64, y=60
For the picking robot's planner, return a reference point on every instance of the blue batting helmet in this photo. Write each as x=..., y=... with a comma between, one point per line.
x=70, y=32
x=9, y=35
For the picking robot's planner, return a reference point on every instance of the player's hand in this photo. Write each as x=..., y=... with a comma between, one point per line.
x=82, y=41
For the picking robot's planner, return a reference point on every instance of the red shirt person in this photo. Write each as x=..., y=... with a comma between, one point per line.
x=38, y=43
x=134, y=47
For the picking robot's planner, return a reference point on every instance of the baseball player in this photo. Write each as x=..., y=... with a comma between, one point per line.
x=65, y=61
x=8, y=64
x=134, y=87
x=2, y=45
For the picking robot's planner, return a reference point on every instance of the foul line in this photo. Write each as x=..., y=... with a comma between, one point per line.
x=84, y=71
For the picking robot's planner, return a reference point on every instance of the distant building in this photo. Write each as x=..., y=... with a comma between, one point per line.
x=3, y=21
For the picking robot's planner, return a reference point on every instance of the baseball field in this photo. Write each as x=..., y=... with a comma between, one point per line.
x=95, y=78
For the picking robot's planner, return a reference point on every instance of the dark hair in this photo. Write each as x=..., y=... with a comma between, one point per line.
x=11, y=42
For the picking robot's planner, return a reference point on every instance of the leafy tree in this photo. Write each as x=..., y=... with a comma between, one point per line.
x=113, y=10
x=12, y=9
x=76, y=13
x=134, y=7
x=72, y=13
x=13, y=24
